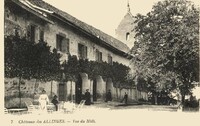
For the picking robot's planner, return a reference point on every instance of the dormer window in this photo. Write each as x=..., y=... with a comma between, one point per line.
x=127, y=36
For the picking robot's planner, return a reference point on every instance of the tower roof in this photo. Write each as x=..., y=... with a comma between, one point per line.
x=128, y=7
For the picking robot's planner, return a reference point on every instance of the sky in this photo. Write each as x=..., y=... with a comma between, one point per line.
x=104, y=14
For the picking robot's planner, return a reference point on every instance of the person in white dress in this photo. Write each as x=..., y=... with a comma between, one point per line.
x=43, y=101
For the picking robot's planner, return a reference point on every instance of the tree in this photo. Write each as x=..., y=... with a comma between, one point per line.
x=27, y=60
x=44, y=63
x=167, y=44
x=16, y=52
x=71, y=70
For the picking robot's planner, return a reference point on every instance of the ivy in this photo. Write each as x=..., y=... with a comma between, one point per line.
x=118, y=72
x=25, y=59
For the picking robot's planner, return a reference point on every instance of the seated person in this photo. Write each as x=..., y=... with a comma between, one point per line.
x=55, y=102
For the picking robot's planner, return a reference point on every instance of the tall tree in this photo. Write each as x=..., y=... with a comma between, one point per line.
x=45, y=64
x=27, y=60
x=16, y=52
x=167, y=44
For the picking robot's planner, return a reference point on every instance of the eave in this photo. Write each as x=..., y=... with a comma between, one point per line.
x=103, y=43
x=32, y=11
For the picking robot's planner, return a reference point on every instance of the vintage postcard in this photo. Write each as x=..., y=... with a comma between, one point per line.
x=98, y=62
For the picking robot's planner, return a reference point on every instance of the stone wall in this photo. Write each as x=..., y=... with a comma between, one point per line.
x=29, y=88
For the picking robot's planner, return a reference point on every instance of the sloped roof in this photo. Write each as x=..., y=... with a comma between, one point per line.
x=88, y=28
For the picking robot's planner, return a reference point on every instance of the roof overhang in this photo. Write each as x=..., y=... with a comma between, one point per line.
x=42, y=13
x=31, y=10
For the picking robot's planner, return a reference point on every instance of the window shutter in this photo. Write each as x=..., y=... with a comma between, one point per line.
x=41, y=35
x=67, y=45
x=109, y=59
x=85, y=52
x=79, y=50
x=100, y=56
x=57, y=42
x=28, y=32
x=32, y=33
x=97, y=54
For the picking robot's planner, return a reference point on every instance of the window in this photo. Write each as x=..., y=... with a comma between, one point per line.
x=62, y=44
x=41, y=35
x=110, y=59
x=98, y=56
x=127, y=36
x=31, y=33
x=82, y=51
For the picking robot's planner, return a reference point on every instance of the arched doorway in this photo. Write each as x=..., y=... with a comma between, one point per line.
x=78, y=90
x=94, y=90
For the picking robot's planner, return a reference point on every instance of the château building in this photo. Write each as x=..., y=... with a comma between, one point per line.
x=38, y=20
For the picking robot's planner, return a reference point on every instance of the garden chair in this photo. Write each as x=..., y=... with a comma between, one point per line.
x=80, y=105
x=5, y=111
x=31, y=108
x=50, y=107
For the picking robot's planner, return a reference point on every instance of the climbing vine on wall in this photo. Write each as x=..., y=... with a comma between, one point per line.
x=118, y=72
x=28, y=60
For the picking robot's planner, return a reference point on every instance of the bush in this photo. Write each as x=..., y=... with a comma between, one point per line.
x=191, y=104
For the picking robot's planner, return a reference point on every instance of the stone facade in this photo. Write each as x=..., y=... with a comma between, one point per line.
x=20, y=18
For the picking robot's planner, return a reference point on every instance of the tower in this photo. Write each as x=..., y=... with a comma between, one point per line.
x=125, y=30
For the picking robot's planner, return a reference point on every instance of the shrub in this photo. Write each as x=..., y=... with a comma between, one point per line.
x=191, y=104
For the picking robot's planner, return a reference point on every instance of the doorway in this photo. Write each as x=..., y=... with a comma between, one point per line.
x=62, y=93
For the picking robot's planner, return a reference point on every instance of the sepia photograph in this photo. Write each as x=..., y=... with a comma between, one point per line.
x=98, y=62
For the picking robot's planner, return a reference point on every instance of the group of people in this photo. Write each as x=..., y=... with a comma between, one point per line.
x=88, y=97
x=44, y=100
x=108, y=97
